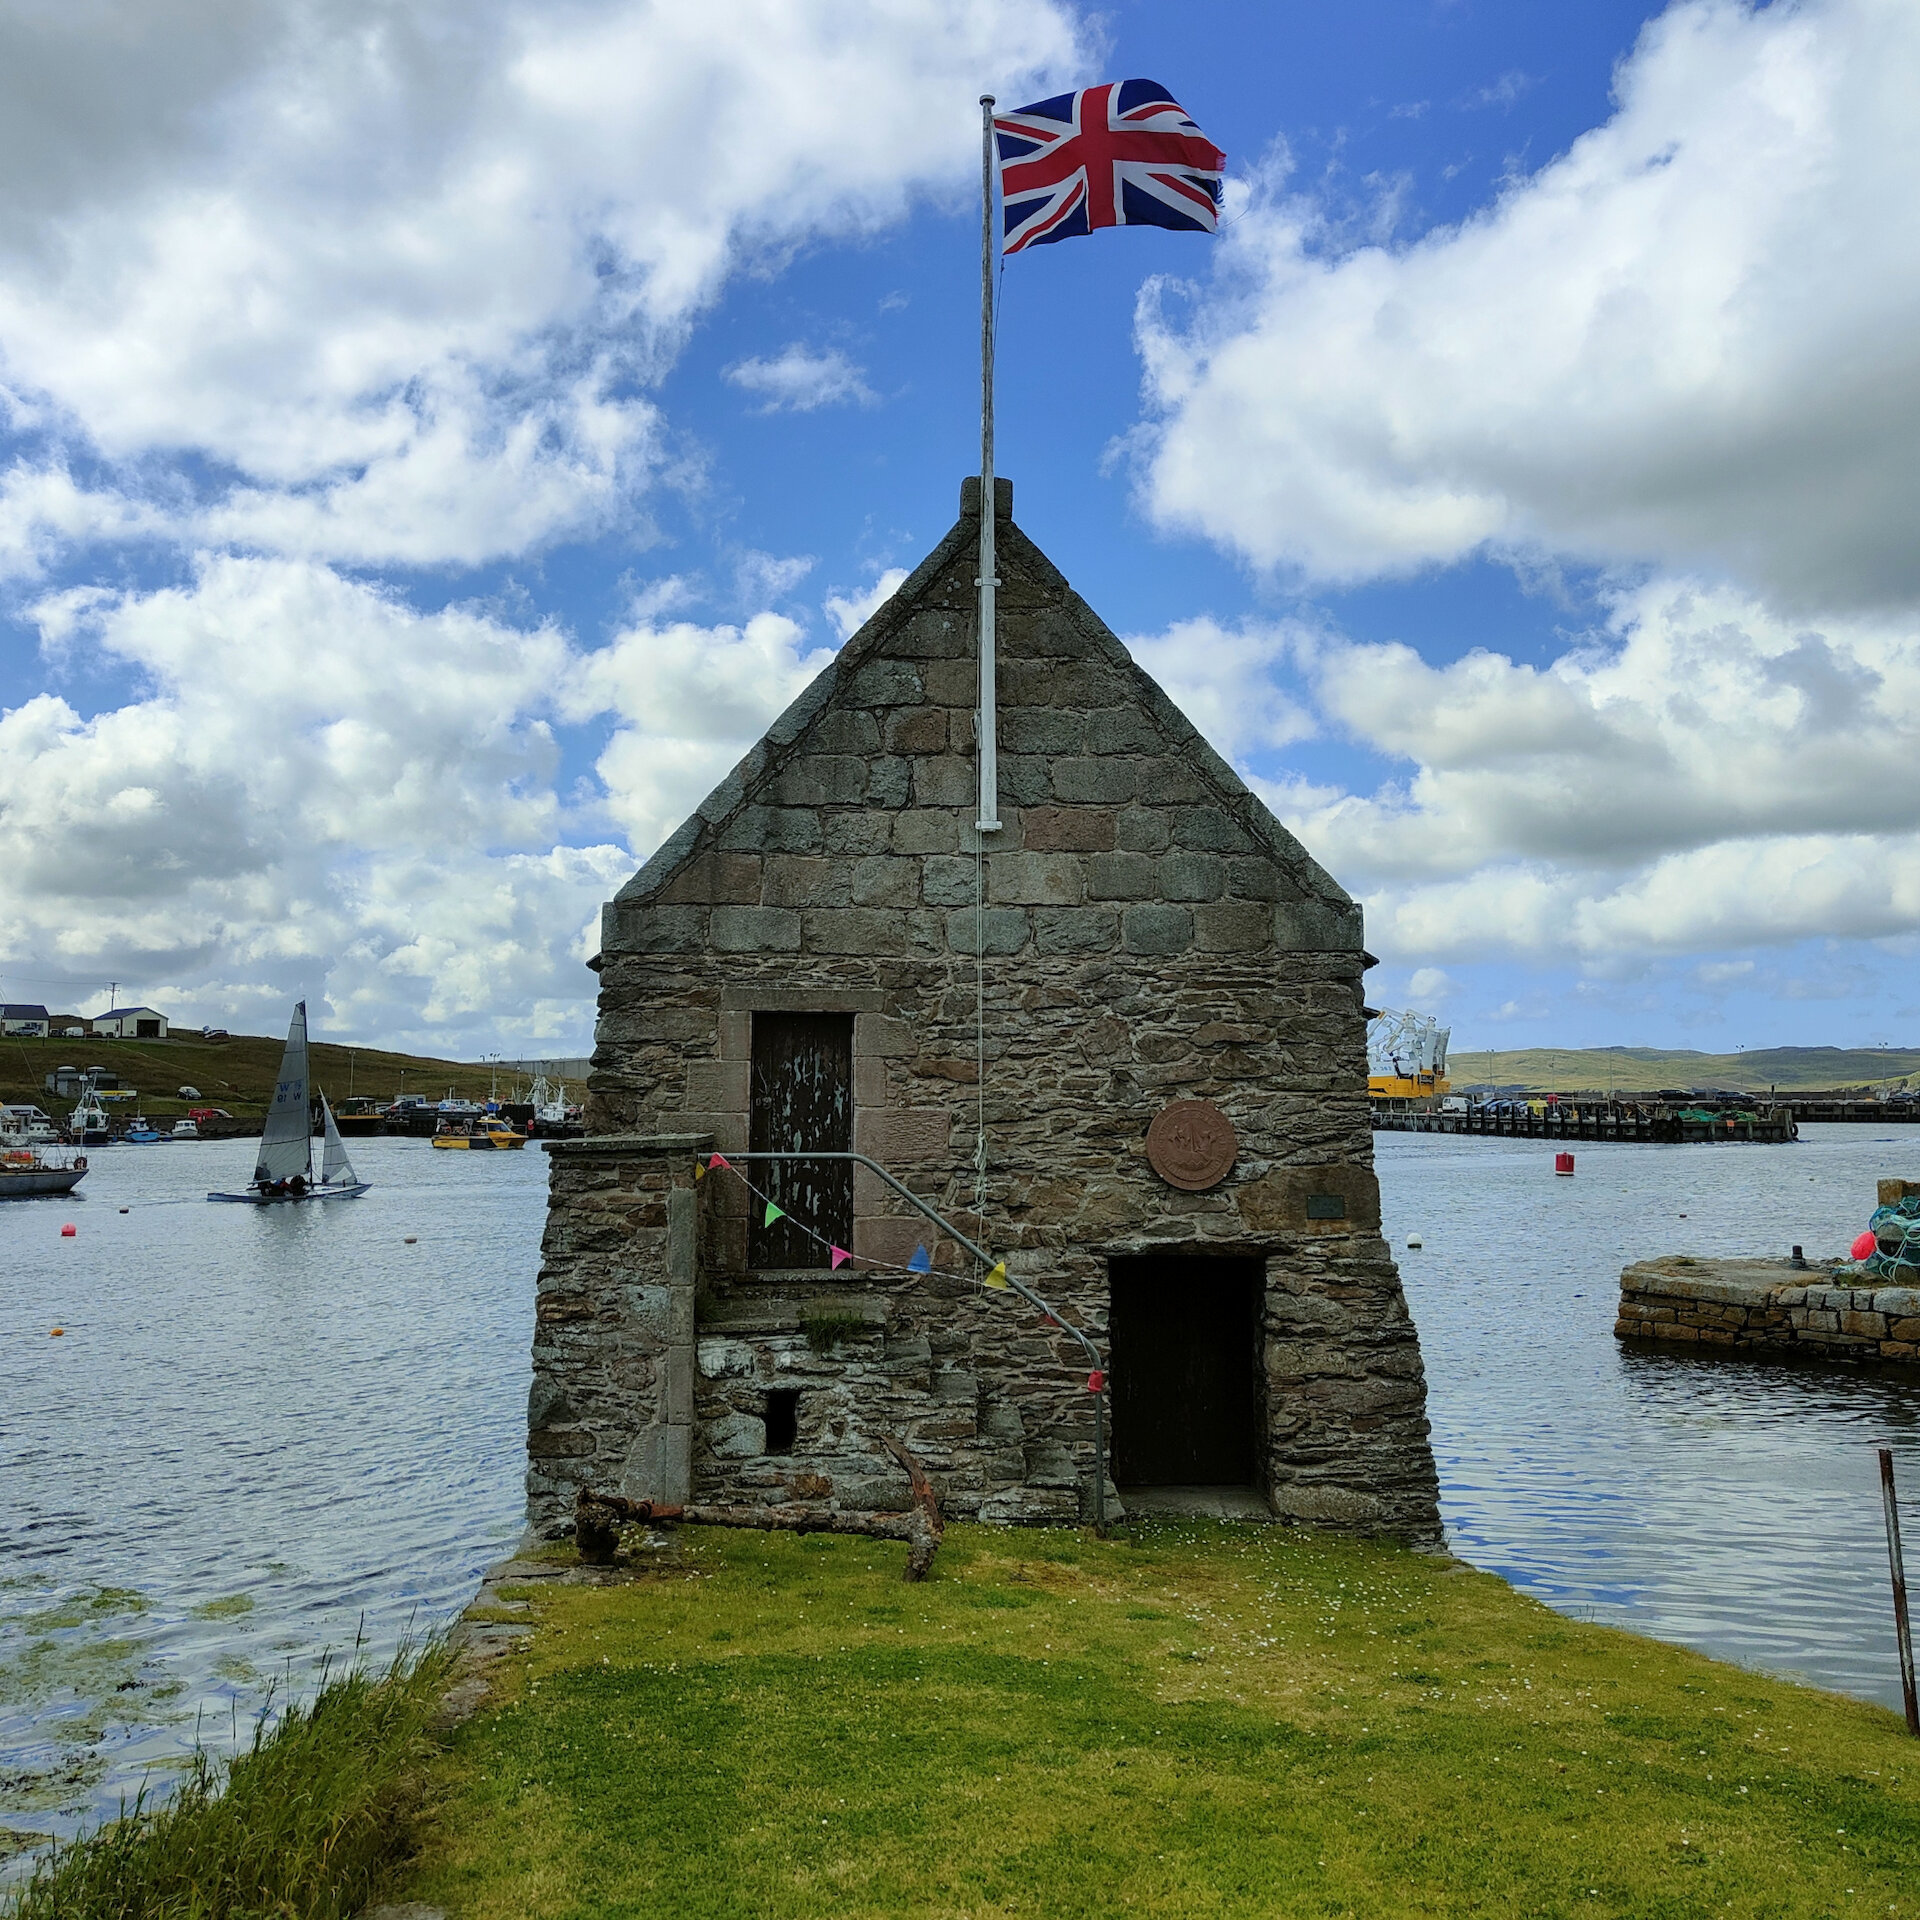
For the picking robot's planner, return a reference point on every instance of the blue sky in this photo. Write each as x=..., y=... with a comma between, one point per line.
x=437, y=440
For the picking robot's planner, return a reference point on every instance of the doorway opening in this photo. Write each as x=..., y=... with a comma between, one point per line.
x=1184, y=1331
x=802, y=1093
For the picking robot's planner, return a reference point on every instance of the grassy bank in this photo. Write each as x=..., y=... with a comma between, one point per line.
x=309, y=1822
x=1201, y=1720
x=237, y=1074
x=1631, y=1070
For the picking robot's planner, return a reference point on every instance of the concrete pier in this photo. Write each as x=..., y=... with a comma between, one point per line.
x=1768, y=1308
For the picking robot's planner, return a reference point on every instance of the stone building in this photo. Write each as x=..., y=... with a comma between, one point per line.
x=808, y=963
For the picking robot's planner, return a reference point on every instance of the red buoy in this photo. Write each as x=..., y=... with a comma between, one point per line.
x=1563, y=1163
x=68, y=1231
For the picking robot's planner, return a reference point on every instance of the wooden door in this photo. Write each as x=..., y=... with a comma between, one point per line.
x=802, y=1101
x=1184, y=1334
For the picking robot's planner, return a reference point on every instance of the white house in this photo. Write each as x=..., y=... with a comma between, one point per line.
x=131, y=1023
x=23, y=1021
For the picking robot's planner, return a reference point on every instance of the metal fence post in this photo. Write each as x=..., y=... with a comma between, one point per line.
x=1896, y=1566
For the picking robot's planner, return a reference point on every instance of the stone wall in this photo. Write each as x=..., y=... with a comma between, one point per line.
x=1141, y=931
x=1767, y=1307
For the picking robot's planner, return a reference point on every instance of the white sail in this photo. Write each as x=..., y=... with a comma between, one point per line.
x=286, y=1141
x=336, y=1170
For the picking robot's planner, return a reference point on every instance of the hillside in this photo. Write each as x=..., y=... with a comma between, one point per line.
x=238, y=1073
x=1643, y=1069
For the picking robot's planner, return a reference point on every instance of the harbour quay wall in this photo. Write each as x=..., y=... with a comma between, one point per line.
x=1768, y=1308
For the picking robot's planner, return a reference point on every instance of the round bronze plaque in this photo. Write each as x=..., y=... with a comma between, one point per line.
x=1191, y=1145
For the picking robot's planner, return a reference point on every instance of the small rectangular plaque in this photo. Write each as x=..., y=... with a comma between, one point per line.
x=1326, y=1206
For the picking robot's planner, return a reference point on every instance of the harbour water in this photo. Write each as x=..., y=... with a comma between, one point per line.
x=268, y=1433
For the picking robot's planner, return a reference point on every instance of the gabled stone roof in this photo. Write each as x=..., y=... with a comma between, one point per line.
x=1330, y=921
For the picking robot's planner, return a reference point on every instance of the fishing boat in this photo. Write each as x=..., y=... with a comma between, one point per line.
x=142, y=1132
x=284, y=1168
x=89, y=1125
x=25, y=1170
x=187, y=1129
x=27, y=1173
x=486, y=1134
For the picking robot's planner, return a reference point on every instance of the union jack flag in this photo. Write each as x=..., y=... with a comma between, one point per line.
x=1121, y=155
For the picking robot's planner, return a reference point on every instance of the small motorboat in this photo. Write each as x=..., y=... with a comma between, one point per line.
x=185, y=1130
x=142, y=1132
x=485, y=1134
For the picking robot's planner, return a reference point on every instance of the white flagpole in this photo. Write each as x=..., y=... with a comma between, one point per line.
x=985, y=718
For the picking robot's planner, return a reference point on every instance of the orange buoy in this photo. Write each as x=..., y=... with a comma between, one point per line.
x=68, y=1231
x=57, y=1333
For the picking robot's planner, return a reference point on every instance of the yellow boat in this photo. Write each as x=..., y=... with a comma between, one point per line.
x=482, y=1135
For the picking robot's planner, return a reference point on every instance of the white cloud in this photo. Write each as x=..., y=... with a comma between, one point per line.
x=398, y=278
x=1694, y=339
x=1703, y=776
x=689, y=701
x=797, y=380
x=850, y=612
x=1222, y=679
x=310, y=786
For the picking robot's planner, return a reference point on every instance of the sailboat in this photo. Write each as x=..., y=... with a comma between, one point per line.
x=284, y=1168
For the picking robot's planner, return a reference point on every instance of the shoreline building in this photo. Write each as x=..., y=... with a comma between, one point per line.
x=1120, y=1044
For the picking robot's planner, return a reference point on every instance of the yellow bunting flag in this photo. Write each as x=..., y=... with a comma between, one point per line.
x=996, y=1276
x=699, y=1169
x=773, y=1213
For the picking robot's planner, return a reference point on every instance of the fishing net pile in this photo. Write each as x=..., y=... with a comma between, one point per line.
x=1896, y=1244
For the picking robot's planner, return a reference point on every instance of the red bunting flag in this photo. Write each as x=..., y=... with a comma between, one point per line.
x=1096, y=1380
x=721, y=1160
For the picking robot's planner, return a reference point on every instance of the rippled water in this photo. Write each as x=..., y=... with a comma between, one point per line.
x=267, y=1431
x=1728, y=1504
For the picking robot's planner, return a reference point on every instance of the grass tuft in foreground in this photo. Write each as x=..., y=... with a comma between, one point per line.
x=302, y=1825
x=1197, y=1720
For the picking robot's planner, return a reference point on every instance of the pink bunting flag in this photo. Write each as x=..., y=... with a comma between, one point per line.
x=840, y=1258
x=720, y=1160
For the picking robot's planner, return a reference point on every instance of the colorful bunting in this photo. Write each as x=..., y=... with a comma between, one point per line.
x=773, y=1213
x=720, y=1160
x=1096, y=1380
x=840, y=1258
x=996, y=1276
x=922, y=1261
x=699, y=1169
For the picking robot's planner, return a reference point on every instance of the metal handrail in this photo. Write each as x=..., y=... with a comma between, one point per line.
x=1025, y=1292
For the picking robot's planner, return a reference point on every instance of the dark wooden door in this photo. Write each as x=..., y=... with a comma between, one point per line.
x=802, y=1102
x=1184, y=1333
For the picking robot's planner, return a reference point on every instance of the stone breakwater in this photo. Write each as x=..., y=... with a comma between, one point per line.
x=1768, y=1307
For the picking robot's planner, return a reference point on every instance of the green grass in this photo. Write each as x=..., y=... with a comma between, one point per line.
x=1645, y=1069
x=237, y=1074
x=1199, y=1720
x=304, y=1825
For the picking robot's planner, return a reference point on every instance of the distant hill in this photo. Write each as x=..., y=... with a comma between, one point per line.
x=238, y=1073
x=1642, y=1069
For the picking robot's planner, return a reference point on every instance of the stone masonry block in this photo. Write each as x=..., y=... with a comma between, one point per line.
x=885, y=881
x=714, y=1084
x=1192, y=876
x=1123, y=730
x=1122, y=876
x=756, y=930
x=916, y=730
x=1251, y=878
x=821, y=780
x=1040, y=730
x=1157, y=931
x=889, y=782
x=1035, y=879
x=1233, y=926
x=1210, y=830
x=856, y=831
x=1024, y=780
x=905, y=1136
x=855, y=930
x=877, y=1034
x=952, y=683
x=1142, y=830
x=1076, y=929
x=944, y=782
x=659, y=1466
x=772, y=830
x=926, y=830
x=796, y=880
x=891, y=1238
x=948, y=880
x=714, y=879
x=1007, y=930
x=647, y=929
x=872, y=1086
x=1108, y=780
x=1067, y=829
x=1317, y=926
x=885, y=683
